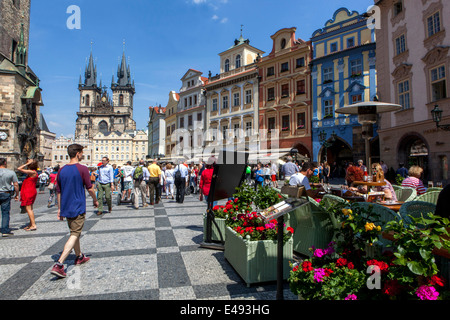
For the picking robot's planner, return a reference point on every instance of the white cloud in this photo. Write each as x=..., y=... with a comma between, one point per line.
x=199, y=1
x=224, y=20
x=215, y=17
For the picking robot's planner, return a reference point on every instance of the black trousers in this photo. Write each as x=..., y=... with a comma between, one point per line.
x=153, y=188
x=180, y=192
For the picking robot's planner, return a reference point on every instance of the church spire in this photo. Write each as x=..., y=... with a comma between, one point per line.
x=90, y=74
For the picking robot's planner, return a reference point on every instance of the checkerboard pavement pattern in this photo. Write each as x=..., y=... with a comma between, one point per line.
x=152, y=253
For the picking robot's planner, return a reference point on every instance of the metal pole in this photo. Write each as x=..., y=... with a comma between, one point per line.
x=280, y=222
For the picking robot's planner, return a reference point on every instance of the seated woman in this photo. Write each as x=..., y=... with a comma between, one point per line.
x=413, y=181
x=388, y=190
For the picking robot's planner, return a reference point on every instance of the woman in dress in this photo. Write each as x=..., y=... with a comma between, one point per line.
x=28, y=191
x=205, y=180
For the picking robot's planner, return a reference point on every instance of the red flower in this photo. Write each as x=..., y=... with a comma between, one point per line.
x=279, y=196
x=328, y=272
x=392, y=287
x=216, y=208
x=260, y=229
x=341, y=262
x=437, y=280
x=382, y=265
x=295, y=268
x=289, y=229
x=307, y=266
x=236, y=200
x=229, y=207
x=350, y=265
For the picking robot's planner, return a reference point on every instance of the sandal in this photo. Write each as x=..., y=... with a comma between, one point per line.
x=29, y=229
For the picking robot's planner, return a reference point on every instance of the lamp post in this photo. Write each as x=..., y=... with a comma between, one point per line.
x=436, y=114
x=325, y=143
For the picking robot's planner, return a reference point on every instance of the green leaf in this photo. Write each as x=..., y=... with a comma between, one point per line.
x=415, y=267
x=426, y=254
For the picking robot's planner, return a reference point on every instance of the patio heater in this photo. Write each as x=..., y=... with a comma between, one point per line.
x=367, y=113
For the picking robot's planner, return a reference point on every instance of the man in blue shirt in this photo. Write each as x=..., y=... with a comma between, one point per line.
x=72, y=180
x=105, y=184
x=289, y=168
x=181, y=185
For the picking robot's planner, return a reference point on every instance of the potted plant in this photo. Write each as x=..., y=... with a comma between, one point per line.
x=251, y=247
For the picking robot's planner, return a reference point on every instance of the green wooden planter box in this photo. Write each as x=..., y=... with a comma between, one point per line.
x=215, y=236
x=256, y=261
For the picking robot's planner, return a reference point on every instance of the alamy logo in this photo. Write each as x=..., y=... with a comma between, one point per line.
x=74, y=20
x=374, y=281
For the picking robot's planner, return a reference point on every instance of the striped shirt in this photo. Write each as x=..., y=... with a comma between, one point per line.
x=415, y=183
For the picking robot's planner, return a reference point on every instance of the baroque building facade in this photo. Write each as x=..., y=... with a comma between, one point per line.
x=342, y=73
x=413, y=59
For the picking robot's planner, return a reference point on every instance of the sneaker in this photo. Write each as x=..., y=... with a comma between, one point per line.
x=58, y=270
x=5, y=235
x=81, y=259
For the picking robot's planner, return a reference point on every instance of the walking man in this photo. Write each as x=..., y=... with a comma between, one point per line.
x=153, y=182
x=140, y=177
x=8, y=179
x=180, y=180
x=105, y=184
x=71, y=183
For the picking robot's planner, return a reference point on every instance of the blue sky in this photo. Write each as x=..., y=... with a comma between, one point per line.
x=163, y=39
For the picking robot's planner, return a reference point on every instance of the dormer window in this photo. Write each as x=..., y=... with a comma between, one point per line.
x=227, y=65
x=238, y=61
x=283, y=43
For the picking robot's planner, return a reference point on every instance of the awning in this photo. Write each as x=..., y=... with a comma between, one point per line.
x=34, y=93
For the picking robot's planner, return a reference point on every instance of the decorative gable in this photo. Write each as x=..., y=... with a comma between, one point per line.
x=355, y=86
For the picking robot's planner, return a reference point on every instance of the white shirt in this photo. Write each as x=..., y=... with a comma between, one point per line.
x=299, y=179
x=127, y=173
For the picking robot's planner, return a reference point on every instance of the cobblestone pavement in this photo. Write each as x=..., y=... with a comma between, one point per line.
x=151, y=253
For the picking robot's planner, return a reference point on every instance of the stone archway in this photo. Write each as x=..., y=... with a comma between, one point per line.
x=413, y=149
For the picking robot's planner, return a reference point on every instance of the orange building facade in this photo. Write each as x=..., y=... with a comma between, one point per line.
x=285, y=95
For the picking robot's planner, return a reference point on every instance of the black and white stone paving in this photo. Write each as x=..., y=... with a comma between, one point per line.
x=152, y=253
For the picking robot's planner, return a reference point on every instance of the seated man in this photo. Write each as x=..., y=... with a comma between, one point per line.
x=302, y=179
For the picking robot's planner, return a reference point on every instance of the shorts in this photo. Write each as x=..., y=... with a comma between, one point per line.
x=76, y=224
x=274, y=177
x=127, y=185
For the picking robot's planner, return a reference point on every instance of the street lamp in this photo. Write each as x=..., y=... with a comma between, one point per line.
x=294, y=154
x=436, y=114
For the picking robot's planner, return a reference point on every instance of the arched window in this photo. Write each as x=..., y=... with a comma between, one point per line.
x=103, y=127
x=87, y=101
x=238, y=61
x=227, y=65
x=121, y=100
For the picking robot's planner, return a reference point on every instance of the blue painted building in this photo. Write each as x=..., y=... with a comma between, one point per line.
x=342, y=73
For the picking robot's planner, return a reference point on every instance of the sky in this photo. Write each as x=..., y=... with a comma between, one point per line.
x=163, y=39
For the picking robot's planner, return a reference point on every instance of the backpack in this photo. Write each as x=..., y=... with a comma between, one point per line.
x=178, y=177
x=138, y=174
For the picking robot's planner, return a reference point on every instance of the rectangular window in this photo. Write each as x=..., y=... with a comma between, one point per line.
x=301, y=87
x=182, y=122
x=356, y=67
x=328, y=108
x=185, y=102
x=438, y=83
x=225, y=102
x=190, y=120
x=285, y=67
x=300, y=62
x=248, y=96
x=214, y=105
x=270, y=71
x=270, y=94
x=334, y=47
x=434, y=23
x=356, y=98
x=285, y=123
x=199, y=116
x=271, y=124
x=327, y=74
x=168, y=131
x=404, y=94
x=248, y=128
x=236, y=100
x=350, y=42
x=301, y=122
x=171, y=130
x=400, y=44
x=398, y=8
x=285, y=90
x=195, y=100
x=236, y=130
x=224, y=131
x=190, y=101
